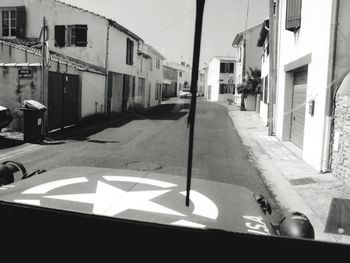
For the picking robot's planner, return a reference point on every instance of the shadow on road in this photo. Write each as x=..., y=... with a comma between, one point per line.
x=8, y=142
x=83, y=131
x=166, y=112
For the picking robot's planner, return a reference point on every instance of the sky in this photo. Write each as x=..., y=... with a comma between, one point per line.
x=168, y=25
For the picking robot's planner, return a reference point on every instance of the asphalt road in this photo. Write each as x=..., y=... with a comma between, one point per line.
x=158, y=141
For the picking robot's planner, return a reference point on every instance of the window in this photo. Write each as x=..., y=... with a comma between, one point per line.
x=60, y=36
x=150, y=63
x=157, y=63
x=293, y=15
x=266, y=85
x=76, y=35
x=156, y=92
x=226, y=67
x=129, y=51
x=9, y=24
x=224, y=88
x=180, y=74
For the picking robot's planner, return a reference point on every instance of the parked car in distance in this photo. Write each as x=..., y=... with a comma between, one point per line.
x=5, y=117
x=185, y=93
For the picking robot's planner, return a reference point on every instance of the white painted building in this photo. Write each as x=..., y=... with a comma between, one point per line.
x=221, y=79
x=263, y=98
x=84, y=37
x=304, y=37
x=184, y=76
x=247, y=53
x=155, y=76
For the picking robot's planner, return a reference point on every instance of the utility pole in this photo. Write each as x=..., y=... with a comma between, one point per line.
x=271, y=70
x=43, y=56
x=244, y=78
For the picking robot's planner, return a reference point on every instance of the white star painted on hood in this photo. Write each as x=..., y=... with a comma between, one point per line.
x=109, y=200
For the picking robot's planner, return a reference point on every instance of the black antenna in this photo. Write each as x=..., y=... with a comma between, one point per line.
x=194, y=79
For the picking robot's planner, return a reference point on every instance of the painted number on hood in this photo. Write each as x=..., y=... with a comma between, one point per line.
x=256, y=225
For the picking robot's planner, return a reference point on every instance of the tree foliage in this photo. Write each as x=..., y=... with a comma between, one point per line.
x=252, y=85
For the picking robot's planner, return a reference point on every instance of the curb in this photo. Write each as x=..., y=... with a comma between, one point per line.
x=285, y=194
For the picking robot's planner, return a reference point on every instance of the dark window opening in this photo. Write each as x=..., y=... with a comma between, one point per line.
x=129, y=51
x=9, y=23
x=293, y=15
x=226, y=67
x=225, y=88
x=60, y=36
x=266, y=84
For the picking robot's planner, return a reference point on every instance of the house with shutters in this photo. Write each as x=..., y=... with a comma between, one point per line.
x=89, y=64
x=184, y=76
x=311, y=102
x=220, y=79
x=169, y=82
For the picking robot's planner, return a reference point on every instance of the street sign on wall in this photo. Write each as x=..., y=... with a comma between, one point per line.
x=25, y=73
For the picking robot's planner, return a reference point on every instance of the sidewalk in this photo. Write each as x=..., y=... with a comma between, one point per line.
x=295, y=184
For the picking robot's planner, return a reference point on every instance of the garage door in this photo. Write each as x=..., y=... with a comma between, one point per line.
x=298, y=108
x=63, y=100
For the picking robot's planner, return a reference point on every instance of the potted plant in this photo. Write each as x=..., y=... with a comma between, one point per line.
x=249, y=88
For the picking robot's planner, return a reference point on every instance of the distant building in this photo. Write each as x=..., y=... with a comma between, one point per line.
x=220, y=79
x=247, y=53
x=169, y=82
x=183, y=75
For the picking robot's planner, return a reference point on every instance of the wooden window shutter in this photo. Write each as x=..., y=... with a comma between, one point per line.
x=132, y=53
x=128, y=51
x=81, y=35
x=21, y=22
x=60, y=36
x=222, y=67
x=293, y=15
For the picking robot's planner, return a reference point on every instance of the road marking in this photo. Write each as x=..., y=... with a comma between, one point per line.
x=15, y=153
x=203, y=206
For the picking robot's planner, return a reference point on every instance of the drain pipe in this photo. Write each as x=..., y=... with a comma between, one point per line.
x=330, y=95
x=106, y=68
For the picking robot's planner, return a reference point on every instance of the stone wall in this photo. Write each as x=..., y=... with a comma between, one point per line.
x=341, y=136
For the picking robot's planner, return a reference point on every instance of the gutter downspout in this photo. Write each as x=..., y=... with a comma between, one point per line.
x=330, y=95
x=106, y=68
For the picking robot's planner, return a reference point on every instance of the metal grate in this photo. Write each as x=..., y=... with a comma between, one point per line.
x=302, y=181
x=338, y=221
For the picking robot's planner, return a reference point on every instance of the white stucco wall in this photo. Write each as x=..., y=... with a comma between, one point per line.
x=155, y=76
x=117, y=53
x=57, y=13
x=92, y=94
x=213, y=79
x=312, y=38
x=265, y=67
x=9, y=3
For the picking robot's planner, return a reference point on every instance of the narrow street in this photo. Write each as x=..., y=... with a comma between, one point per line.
x=157, y=141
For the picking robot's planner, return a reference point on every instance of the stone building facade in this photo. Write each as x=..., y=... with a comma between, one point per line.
x=341, y=138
